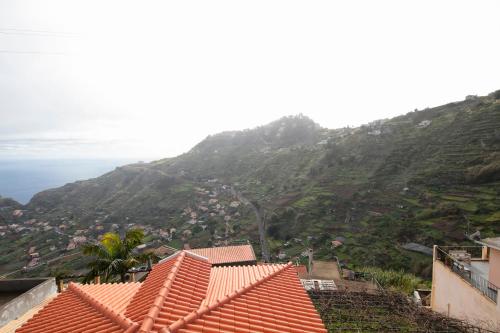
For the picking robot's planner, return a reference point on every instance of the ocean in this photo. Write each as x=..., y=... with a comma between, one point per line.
x=21, y=179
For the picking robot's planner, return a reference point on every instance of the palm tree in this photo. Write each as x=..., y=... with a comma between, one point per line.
x=114, y=256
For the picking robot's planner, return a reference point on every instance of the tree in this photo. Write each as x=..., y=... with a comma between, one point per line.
x=114, y=256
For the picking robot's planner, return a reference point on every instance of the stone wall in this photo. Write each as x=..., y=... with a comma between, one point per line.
x=34, y=291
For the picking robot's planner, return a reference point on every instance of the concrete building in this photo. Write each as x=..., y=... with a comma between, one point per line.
x=18, y=298
x=465, y=282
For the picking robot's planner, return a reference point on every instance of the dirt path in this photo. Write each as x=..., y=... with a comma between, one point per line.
x=325, y=270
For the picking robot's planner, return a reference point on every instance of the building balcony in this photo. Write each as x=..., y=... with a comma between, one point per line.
x=472, y=264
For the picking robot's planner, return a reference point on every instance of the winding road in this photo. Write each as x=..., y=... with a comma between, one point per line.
x=262, y=229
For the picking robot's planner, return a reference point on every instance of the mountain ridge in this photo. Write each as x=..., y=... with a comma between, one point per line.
x=423, y=177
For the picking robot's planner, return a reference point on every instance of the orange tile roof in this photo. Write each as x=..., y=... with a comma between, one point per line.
x=115, y=295
x=302, y=271
x=226, y=279
x=227, y=254
x=277, y=303
x=143, y=300
x=74, y=311
x=184, y=293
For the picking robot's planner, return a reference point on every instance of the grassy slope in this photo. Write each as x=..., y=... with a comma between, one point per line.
x=322, y=184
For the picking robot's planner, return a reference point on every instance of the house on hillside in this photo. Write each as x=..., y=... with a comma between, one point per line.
x=336, y=243
x=465, y=282
x=228, y=255
x=17, y=213
x=186, y=293
x=424, y=123
x=162, y=251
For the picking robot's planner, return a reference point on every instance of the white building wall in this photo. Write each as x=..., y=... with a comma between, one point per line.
x=453, y=296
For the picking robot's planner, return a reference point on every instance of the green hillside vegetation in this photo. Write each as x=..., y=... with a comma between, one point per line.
x=396, y=280
x=426, y=177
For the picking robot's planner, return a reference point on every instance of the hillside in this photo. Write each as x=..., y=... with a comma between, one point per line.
x=426, y=177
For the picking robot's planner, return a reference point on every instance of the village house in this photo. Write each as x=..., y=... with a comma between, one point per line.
x=17, y=213
x=162, y=251
x=281, y=255
x=234, y=204
x=336, y=243
x=33, y=262
x=465, y=282
x=184, y=293
x=163, y=233
x=75, y=242
x=424, y=123
x=228, y=255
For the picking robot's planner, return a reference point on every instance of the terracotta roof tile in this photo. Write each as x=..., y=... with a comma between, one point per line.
x=226, y=279
x=145, y=296
x=184, y=293
x=69, y=312
x=175, y=287
x=227, y=254
x=276, y=303
x=115, y=295
x=302, y=272
x=188, y=290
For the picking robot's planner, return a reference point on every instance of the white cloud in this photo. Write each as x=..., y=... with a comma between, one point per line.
x=152, y=79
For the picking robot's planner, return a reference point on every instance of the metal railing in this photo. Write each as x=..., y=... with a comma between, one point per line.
x=466, y=272
x=475, y=251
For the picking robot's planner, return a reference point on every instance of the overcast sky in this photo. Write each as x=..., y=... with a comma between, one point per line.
x=150, y=79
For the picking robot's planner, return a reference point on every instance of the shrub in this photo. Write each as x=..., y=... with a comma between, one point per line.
x=395, y=280
x=484, y=174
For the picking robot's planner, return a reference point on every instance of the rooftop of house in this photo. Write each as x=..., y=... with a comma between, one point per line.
x=162, y=250
x=227, y=254
x=185, y=293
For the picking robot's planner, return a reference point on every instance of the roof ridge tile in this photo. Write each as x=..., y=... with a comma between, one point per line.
x=175, y=326
x=128, y=325
x=150, y=318
x=196, y=256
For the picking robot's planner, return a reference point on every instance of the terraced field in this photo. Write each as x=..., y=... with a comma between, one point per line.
x=427, y=177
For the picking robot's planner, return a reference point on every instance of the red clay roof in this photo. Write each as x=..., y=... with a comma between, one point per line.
x=302, y=271
x=74, y=311
x=183, y=293
x=226, y=279
x=115, y=295
x=227, y=254
x=277, y=303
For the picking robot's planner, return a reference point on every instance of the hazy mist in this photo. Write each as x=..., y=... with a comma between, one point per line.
x=150, y=79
